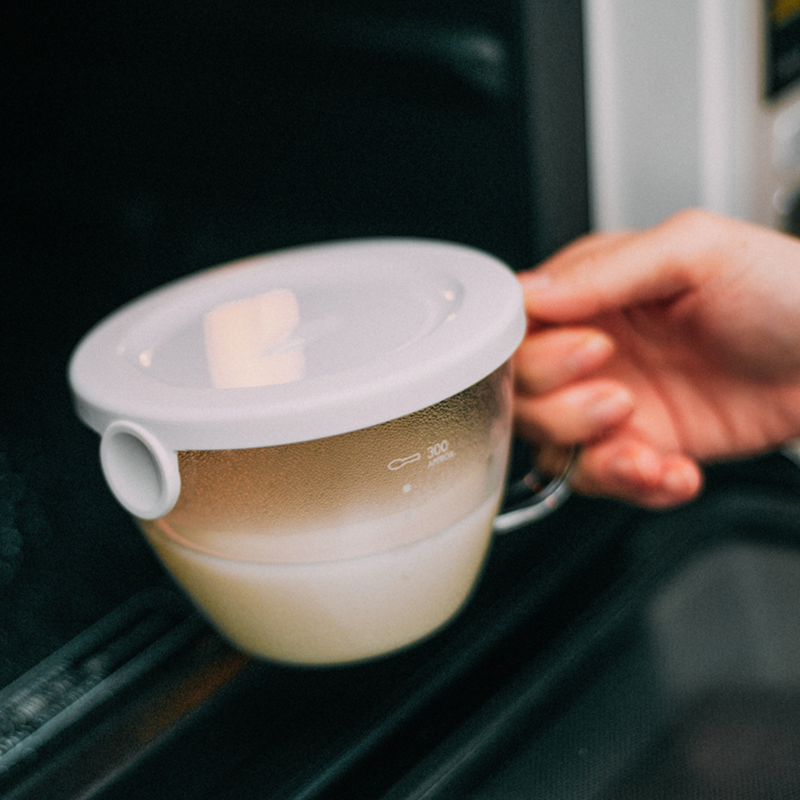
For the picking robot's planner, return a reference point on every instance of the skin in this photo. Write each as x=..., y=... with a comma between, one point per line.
x=660, y=350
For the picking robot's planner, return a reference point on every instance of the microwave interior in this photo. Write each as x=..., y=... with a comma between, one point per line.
x=607, y=652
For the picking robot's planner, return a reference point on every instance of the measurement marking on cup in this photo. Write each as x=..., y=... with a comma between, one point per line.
x=440, y=452
x=398, y=463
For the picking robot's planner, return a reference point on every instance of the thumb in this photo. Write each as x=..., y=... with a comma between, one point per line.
x=609, y=271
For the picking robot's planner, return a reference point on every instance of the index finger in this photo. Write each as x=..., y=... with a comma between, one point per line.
x=608, y=272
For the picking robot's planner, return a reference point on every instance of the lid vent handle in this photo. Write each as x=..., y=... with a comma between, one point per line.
x=142, y=474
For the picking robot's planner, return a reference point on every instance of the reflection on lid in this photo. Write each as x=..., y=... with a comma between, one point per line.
x=249, y=342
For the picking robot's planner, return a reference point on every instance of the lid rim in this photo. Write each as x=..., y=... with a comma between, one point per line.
x=441, y=364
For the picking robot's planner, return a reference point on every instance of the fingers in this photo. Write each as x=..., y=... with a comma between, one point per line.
x=612, y=271
x=633, y=472
x=579, y=412
x=551, y=358
x=593, y=412
x=561, y=395
x=555, y=398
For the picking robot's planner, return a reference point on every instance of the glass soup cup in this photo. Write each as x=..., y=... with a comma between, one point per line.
x=315, y=442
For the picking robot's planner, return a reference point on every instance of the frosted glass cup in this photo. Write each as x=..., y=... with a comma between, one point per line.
x=305, y=547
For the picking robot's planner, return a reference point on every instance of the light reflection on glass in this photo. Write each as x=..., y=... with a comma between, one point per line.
x=252, y=342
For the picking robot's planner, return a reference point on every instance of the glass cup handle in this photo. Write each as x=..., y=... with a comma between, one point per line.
x=540, y=501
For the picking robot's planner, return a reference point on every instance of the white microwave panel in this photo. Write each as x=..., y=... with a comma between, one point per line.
x=693, y=103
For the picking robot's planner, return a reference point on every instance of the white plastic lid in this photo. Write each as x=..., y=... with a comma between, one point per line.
x=292, y=346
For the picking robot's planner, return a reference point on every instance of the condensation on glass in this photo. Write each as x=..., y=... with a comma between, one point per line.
x=350, y=495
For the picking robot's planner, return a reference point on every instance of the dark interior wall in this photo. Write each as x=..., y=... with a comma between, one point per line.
x=259, y=126
x=176, y=135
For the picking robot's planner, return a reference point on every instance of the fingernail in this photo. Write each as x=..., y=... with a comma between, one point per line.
x=610, y=408
x=638, y=466
x=589, y=354
x=680, y=481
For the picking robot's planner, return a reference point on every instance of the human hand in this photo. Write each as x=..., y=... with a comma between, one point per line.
x=662, y=349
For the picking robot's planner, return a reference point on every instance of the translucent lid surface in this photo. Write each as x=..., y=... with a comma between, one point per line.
x=300, y=344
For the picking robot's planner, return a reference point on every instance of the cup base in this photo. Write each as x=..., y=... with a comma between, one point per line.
x=338, y=611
